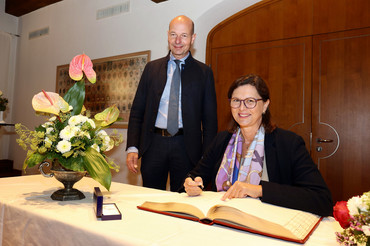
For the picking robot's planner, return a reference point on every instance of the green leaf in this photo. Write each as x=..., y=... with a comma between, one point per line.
x=75, y=164
x=97, y=167
x=40, y=128
x=33, y=160
x=75, y=96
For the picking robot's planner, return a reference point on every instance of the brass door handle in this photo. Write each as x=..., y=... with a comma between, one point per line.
x=320, y=140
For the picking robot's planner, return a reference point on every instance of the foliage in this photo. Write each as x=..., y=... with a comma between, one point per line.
x=354, y=218
x=78, y=142
x=3, y=102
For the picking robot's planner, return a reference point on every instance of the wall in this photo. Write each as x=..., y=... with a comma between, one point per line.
x=8, y=28
x=75, y=30
x=8, y=23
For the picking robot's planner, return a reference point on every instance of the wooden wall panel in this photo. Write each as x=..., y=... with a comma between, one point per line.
x=341, y=82
x=264, y=21
x=340, y=15
x=274, y=38
x=285, y=66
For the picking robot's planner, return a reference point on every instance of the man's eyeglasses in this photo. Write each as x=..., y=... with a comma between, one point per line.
x=249, y=102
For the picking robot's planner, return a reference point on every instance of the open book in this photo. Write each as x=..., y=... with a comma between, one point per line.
x=246, y=214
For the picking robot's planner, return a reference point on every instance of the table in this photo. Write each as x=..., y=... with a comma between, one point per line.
x=7, y=124
x=28, y=216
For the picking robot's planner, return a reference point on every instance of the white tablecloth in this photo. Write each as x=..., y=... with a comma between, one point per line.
x=28, y=216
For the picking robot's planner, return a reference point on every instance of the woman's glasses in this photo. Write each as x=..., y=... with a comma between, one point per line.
x=249, y=102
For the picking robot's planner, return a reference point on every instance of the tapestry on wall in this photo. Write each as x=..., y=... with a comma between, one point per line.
x=117, y=78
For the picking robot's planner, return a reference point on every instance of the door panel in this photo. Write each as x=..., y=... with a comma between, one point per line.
x=284, y=65
x=341, y=99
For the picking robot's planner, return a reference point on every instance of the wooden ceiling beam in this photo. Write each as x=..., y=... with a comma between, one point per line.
x=158, y=1
x=22, y=7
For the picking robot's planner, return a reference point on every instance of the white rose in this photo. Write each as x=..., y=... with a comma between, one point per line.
x=76, y=120
x=366, y=230
x=46, y=124
x=92, y=123
x=67, y=133
x=353, y=205
x=64, y=146
x=49, y=130
x=48, y=142
x=102, y=133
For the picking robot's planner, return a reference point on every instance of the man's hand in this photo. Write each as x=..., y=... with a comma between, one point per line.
x=131, y=161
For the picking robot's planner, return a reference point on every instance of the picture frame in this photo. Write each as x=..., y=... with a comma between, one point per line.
x=117, y=78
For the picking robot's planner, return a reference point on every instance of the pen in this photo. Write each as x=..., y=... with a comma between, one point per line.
x=199, y=186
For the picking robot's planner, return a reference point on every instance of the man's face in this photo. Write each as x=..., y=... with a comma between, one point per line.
x=180, y=38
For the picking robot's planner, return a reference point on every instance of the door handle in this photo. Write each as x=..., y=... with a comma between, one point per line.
x=320, y=140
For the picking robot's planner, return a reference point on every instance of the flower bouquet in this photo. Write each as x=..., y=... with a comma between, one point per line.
x=70, y=136
x=354, y=217
x=3, y=102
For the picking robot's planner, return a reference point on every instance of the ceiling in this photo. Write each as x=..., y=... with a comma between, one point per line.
x=22, y=7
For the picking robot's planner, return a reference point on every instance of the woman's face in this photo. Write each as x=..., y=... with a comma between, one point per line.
x=246, y=117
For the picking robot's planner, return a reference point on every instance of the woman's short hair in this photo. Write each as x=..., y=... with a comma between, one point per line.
x=263, y=91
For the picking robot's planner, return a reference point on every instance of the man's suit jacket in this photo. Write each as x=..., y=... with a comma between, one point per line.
x=294, y=180
x=198, y=102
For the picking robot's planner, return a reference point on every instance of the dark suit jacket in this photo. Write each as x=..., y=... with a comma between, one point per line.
x=198, y=102
x=294, y=180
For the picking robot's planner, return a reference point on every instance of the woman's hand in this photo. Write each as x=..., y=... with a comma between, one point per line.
x=241, y=189
x=193, y=187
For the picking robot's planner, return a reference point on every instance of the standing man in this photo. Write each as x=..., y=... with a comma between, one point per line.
x=174, y=114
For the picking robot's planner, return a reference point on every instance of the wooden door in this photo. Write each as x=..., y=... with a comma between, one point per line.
x=341, y=113
x=285, y=65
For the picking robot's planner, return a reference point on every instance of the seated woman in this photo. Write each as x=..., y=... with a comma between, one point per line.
x=257, y=159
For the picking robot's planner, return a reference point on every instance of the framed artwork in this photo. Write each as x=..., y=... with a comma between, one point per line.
x=117, y=78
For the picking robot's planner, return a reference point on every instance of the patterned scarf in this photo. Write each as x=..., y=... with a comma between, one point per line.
x=252, y=163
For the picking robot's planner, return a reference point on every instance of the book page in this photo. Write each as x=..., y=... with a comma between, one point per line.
x=174, y=208
x=297, y=222
x=203, y=202
x=276, y=214
x=286, y=222
x=233, y=217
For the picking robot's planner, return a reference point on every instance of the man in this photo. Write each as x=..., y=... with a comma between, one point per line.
x=165, y=147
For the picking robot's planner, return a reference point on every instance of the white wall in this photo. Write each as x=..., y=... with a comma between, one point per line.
x=8, y=28
x=75, y=30
x=8, y=23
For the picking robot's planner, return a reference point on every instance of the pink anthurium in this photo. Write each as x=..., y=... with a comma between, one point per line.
x=79, y=64
x=49, y=102
x=108, y=116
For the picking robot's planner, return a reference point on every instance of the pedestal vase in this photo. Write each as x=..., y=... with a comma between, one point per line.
x=67, y=177
x=2, y=117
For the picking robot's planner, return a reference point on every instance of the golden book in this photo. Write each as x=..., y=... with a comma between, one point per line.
x=247, y=214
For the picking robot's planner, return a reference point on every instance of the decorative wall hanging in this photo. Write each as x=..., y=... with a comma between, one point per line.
x=117, y=81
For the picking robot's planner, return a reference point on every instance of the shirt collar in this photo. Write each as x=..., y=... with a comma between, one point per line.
x=172, y=58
